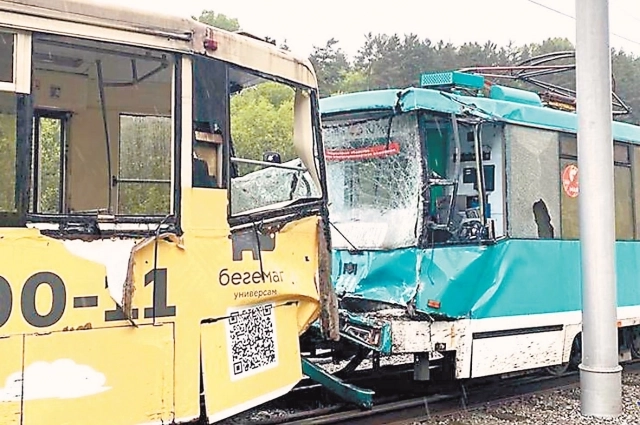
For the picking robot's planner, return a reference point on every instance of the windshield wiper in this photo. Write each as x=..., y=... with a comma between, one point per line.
x=356, y=251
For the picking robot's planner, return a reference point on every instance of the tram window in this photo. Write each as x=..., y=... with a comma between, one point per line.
x=7, y=42
x=568, y=145
x=621, y=154
x=533, y=176
x=49, y=144
x=265, y=167
x=569, y=207
x=635, y=161
x=144, y=174
x=623, y=199
x=119, y=137
x=387, y=183
x=8, y=150
x=374, y=176
x=623, y=192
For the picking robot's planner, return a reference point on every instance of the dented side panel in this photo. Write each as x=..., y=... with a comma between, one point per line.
x=509, y=278
x=62, y=305
x=51, y=288
x=114, y=254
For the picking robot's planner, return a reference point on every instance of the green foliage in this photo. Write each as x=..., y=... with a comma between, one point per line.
x=262, y=120
x=218, y=20
x=331, y=66
x=353, y=81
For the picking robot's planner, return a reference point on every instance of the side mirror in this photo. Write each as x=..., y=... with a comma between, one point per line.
x=273, y=157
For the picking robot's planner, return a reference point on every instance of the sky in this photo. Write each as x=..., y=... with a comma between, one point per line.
x=501, y=21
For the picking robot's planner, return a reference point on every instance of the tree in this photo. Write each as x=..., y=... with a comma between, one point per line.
x=218, y=20
x=331, y=65
x=392, y=61
x=353, y=81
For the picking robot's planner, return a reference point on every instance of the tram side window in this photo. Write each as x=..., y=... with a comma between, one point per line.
x=7, y=44
x=144, y=175
x=49, y=157
x=533, y=198
x=625, y=226
x=8, y=129
x=634, y=152
x=115, y=103
x=568, y=198
x=8, y=152
x=623, y=192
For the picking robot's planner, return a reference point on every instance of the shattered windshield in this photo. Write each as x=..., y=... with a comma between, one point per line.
x=373, y=179
x=273, y=185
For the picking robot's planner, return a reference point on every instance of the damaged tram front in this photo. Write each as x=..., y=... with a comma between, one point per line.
x=455, y=228
x=142, y=280
x=405, y=195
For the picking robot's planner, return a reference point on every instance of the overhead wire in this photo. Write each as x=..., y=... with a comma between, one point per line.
x=573, y=17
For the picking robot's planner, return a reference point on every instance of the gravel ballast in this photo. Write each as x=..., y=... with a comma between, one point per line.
x=558, y=407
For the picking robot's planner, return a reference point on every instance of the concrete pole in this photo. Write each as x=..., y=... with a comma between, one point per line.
x=600, y=372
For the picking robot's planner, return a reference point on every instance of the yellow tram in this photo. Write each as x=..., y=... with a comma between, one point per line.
x=143, y=278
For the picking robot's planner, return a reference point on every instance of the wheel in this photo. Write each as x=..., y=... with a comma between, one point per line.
x=634, y=341
x=576, y=353
x=557, y=370
x=574, y=359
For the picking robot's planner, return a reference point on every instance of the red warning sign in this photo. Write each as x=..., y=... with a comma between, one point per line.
x=570, y=180
x=379, y=151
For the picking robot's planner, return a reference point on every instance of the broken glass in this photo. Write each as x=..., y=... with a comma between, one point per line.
x=533, y=185
x=374, y=177
x=271, y=186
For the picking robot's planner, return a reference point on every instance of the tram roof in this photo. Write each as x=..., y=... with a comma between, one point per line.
x=105, y=14
x=412, y=99
x=187, y=32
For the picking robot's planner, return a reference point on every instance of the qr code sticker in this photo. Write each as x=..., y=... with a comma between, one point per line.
x=251, y=340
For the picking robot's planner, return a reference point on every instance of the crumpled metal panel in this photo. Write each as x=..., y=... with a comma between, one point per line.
x=386, y=276
x=511, y=277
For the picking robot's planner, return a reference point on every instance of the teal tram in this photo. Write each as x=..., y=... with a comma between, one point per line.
x=455, y=237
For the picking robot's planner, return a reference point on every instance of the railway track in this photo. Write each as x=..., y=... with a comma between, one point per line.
x=464, y=398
